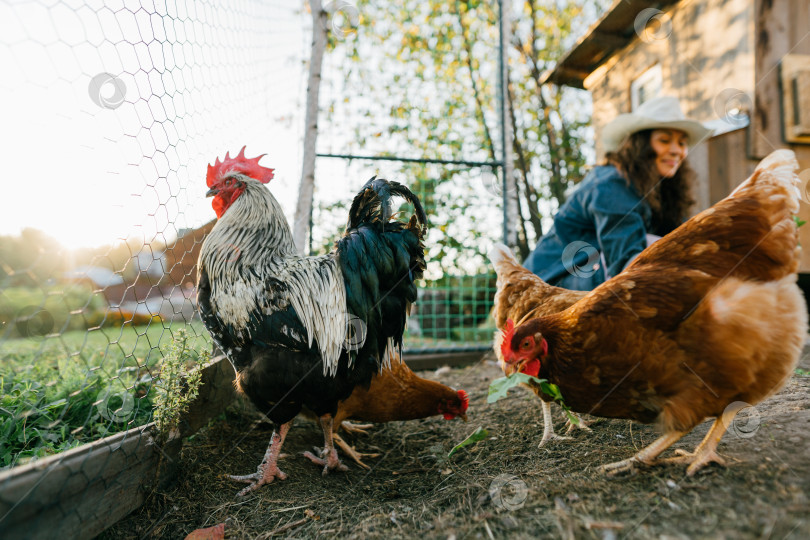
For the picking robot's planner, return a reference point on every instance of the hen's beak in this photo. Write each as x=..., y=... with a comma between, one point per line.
x=211, y=192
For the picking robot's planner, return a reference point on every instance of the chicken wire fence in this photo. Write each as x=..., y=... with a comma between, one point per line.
x=110, y=113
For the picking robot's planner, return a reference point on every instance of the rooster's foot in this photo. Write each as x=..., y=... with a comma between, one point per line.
x=696, y=460
x=349, y=427
x=265, y=475
x=328, y=459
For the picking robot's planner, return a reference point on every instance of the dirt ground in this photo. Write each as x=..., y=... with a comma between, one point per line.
x=501, y=487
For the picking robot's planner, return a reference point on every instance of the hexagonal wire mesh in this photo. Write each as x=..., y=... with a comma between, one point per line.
x=115, y=109
x=111, y=111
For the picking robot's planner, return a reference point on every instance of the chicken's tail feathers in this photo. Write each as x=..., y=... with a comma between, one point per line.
x=374, y=203
x=778, y=168
x=499, y=254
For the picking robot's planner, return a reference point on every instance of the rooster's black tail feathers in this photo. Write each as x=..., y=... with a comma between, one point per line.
x=374, y=203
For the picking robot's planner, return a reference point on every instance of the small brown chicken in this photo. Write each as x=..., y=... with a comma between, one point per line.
x=396, y=394
x=706, y=321
x=521, y=295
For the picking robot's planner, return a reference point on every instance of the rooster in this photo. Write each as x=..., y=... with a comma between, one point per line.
x=396, y=394
x=304, y=331
x=706, y=321
x=521, y=295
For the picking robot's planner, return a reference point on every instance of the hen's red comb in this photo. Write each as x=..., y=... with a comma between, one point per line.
x=508, y=334
x=465, y=400
x=239, y=164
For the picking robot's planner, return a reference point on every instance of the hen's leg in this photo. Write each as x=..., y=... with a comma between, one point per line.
x=646, y=456
x=329, y=458
x=706, y=451
x=268, y=469
x=548, y=426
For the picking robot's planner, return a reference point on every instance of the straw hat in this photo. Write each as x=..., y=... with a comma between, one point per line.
x=658, y=113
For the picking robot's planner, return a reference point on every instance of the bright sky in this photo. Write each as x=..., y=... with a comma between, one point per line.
x=194, y=84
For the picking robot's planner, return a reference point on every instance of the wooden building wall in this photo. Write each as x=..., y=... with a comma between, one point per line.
x=707, y=49
x=716, y=54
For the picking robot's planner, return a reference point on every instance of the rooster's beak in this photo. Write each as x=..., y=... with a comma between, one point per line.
x=211, y=192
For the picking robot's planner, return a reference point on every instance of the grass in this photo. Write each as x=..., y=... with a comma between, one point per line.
x=60, y=391
x=57, y=392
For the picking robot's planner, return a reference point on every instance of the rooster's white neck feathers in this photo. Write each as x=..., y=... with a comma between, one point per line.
x=252, y=244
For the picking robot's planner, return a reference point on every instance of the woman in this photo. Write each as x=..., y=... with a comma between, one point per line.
x=641, y=194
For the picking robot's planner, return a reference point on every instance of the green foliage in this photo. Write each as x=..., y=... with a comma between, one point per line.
x=179, y=381
x=499, y=387
x=37, y=311
x=58, y=392
x=801, y=372
x=419, y=79
x=478, y=435
x=799, y=222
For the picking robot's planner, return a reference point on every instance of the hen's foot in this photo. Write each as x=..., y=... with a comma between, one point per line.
x=583, y=425
x=356, y=456
x=624, y=466
x=551, y=436
x=696, y=460
x=328, y=459
x=349, y=427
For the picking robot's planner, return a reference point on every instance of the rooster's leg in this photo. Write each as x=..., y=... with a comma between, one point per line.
x=348, y=427
x=646, y=456
x=548, y=426
x=356, y=456
x=706, y=451
x=329, y=458
x=268, y=469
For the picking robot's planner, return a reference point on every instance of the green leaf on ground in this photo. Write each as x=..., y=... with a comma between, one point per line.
x=477, y=435
x=499, y=387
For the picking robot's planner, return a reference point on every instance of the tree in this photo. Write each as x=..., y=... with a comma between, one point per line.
x=419, y=79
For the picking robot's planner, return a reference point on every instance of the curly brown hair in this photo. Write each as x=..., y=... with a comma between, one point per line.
x=670, y=199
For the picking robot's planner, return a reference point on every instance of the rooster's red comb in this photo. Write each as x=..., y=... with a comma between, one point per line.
x=241, y=164
x=465, y=400
x=508, y=334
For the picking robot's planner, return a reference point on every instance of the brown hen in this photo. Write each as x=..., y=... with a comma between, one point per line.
x=706, y=321
x=520, y=296
x=396, y=394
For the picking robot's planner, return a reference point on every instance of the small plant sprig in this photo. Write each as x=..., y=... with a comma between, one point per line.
x=799, y=222
x=499, y=387
x=177, y=387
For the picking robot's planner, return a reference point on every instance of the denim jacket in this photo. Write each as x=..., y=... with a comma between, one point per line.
x=604, y=222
